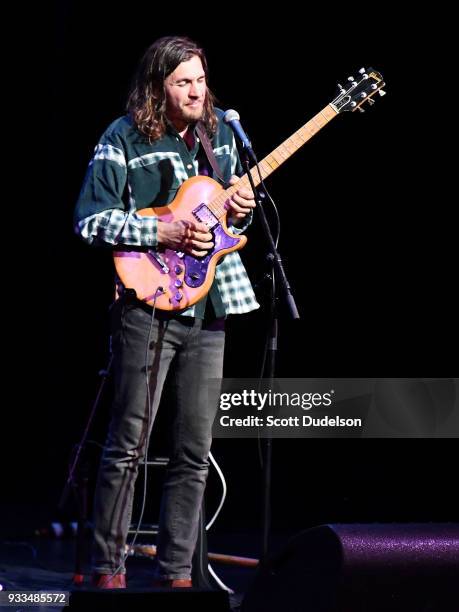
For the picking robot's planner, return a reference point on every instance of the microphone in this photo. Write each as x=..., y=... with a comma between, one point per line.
x=231, y=118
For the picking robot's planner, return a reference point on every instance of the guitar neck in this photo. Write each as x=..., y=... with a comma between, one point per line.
x=277, y=157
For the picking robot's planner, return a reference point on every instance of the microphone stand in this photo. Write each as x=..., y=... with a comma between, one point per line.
x=277, y=274
x=77, y=481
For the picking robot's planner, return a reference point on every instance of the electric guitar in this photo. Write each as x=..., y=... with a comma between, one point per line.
x=174, y=280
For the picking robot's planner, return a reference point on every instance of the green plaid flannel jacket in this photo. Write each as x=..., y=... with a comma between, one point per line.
x=127, y=173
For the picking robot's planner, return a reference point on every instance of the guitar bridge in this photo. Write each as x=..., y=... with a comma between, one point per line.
x=204, y=215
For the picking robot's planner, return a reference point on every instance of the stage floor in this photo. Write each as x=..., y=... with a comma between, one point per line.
x=38, y=564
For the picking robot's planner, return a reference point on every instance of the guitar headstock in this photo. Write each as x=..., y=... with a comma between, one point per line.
x=359, y=90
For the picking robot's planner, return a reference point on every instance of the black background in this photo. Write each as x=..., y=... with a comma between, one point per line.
x=368, y=240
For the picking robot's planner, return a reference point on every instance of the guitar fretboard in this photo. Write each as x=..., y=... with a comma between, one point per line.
x=277, y=157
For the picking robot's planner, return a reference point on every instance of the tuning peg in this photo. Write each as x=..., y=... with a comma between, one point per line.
x=341, y=88
x=362, y=110
x=350, y=78
x=382, y=92
x=370, y=101
x=362, y=70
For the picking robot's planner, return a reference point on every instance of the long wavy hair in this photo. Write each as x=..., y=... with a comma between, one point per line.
x=147, y=99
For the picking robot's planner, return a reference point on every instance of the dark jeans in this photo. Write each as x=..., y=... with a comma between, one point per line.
x=193, y=352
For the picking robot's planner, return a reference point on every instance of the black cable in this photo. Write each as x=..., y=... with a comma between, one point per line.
x=265, y=193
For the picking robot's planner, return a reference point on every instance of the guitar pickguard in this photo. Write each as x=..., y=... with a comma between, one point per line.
x=196, y=268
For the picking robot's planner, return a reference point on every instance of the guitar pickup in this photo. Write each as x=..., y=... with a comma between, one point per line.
x=162, y=264
x=203, y=214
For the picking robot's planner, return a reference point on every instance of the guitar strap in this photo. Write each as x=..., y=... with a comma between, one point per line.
x=207, y=145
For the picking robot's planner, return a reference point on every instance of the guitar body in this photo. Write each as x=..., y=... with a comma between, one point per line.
x=184, y=279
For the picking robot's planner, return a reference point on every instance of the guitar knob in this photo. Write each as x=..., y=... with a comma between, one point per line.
x=178, y=269
x=178, y=282
x=178, y=296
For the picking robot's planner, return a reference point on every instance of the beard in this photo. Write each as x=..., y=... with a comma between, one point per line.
x=191, y=114
x=185, y=114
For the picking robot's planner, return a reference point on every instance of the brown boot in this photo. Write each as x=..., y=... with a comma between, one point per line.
x=107, y=581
